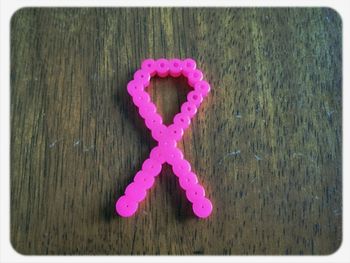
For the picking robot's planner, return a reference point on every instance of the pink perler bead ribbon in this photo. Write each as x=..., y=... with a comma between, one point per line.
x=166, y=136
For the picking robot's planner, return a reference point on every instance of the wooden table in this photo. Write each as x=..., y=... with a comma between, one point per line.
x=266, y=143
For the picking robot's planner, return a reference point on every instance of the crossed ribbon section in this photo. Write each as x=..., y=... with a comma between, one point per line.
x=167, y=136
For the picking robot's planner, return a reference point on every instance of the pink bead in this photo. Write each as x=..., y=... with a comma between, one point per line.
x=142, y=76
x=175, y=67
x=182, y=120
x=203, y=87
x=195, y=192
x=195, y=98
x=172, y=155
x=152, y=120
x=159, y=132
x=126, y=207
x=151, y=167
x=188, y=180
x=175, y=132
x=167, y=143
x=188, y=65
x=194, y=77
x=181, y=167
x=202, y=207
x=147, y=109
x=158, y=155
x=145, y=179
x=189, y=109
x=162, y=67
x=140, y=98
x=135, y=191
x=150, y=66
x=134, y=87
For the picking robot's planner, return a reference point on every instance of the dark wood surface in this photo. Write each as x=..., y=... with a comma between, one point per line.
x=266, y=143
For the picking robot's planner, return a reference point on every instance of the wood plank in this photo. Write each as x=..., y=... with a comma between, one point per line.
x=266, y=143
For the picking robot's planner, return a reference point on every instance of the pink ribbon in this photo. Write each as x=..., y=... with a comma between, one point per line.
x=167, y=136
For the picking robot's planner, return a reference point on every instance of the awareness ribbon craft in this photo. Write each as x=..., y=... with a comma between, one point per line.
x=166, y=136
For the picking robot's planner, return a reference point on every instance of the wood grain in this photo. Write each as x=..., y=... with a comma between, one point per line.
x=266, y=143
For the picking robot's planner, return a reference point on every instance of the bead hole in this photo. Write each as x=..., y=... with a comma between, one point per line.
x=176, y=64
x=188, y=64
x=195, y=97
x=162, y=65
